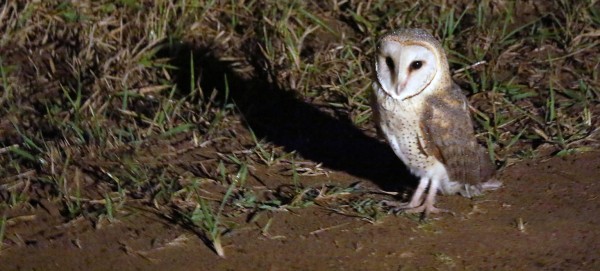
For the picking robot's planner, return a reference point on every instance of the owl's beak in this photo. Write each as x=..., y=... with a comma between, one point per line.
x=401, y=86
x=401, y=83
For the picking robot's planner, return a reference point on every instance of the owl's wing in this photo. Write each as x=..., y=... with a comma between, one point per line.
x=449, y=136
x=375, y=111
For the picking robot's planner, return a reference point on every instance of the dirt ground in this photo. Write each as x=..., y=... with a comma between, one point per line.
x=545, y=217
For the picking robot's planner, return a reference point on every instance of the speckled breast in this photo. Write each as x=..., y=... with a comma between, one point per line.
x=400, y=125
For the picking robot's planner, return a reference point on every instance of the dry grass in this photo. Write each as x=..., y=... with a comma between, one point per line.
x=110, y=104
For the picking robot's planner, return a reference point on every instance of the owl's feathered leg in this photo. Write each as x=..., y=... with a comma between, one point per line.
x=428, y=206
x=417, y=197
x=415, y=200
x=430, y=200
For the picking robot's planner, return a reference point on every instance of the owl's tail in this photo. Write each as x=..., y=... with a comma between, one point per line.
x=470, y=191
x=491, y=184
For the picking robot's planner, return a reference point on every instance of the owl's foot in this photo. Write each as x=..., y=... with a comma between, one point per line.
x=417, y=204
x=396, y=206
x=408, y=208
x=426, y=210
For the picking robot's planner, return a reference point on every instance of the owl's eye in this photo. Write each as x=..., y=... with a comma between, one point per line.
x=390, y=63
x=415, y=65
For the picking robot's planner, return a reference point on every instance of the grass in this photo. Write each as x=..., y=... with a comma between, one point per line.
x=155, y=102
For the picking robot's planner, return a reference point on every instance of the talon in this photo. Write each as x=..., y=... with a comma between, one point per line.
x=425, y=209
x=396, y=204
x=398, y=207
x=414, y=210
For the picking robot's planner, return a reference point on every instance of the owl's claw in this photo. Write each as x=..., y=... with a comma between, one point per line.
x=397, y=207
x=426, y=210
x=406, y=207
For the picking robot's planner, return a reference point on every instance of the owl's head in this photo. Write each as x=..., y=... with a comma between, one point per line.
x=409, y=62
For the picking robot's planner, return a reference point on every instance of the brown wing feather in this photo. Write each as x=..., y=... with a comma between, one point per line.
x=448, y=132
x=375, y=113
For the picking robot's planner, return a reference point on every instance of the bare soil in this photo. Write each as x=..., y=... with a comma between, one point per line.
x=545, y=217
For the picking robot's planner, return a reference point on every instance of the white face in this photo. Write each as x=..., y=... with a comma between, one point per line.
x=404, y=71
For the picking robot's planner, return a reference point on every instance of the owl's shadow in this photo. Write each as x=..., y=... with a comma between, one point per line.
x=278, y=116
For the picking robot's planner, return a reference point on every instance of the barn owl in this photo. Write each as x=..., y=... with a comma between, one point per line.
x=424, y=117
